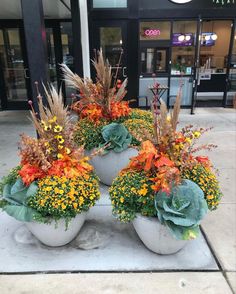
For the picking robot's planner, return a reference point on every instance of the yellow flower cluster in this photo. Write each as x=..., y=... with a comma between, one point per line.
x=207, y=181
x=131, y=193
x=142, y=114
x=63, y=197
x=56, y=138
x=139, y=128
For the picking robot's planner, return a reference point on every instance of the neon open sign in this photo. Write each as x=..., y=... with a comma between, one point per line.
x=152, y=32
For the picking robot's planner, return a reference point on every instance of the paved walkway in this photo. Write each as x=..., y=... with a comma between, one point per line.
x=219, y=226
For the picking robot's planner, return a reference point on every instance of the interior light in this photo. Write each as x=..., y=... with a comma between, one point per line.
x=121, y=42
x=187, y=38
x=214, y=37
x=181, y=38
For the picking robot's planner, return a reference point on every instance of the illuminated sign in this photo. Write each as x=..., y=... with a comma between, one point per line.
x=152, y=32
x=224, y=2
x=181, y=1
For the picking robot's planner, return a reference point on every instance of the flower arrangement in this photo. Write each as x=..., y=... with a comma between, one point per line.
x=102, y=103
x=168, y=178
x=53, y=180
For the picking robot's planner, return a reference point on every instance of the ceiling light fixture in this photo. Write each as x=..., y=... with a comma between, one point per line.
x=181, y=38
x=187, y=38
x=214, y=37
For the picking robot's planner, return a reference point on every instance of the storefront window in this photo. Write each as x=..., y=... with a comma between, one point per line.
x=158, y=30
x=215, y=41
x=231, y=95
x=109, y=3
x=154, y=60
x=183, y=47
x=111, y=43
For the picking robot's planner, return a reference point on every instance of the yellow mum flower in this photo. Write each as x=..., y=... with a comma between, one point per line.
x=47, y=128
x=53, y=120
x=143, y=191
x=60, y=147
x=60, y=139
x=188, y=140
x=197, y=134
x=57, y=129
x=122, y=199
x=68, y=151
x=59, y=156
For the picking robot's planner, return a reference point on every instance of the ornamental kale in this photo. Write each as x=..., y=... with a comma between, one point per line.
x=116, y=137
x=182, y=210
x=15, y=198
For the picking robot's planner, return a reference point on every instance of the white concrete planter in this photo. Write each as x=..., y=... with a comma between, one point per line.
x=55, y=233
x=108, y=166
x=156, y=236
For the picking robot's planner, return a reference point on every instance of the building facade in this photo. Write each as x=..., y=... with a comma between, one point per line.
x=192, y=44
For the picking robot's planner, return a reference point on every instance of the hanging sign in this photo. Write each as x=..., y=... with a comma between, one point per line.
x=181, y=1
x=223, y=2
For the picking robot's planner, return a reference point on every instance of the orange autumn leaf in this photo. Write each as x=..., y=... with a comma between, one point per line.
x=163, y=161
x=30, y=173
x=70, y=167
x=144, y=159
x=119, y=109
x=92, y=111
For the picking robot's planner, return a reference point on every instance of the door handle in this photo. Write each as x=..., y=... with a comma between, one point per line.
x=26, y=73
x=123, y=72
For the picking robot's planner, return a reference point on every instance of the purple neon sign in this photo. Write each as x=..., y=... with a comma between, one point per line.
x=152, y=32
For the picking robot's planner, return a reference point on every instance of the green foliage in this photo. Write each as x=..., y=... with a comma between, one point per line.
x=182, y=210
x=10, y=178
x=89, y=134
x=117, y=136
x=131, y=193
x=15, y=197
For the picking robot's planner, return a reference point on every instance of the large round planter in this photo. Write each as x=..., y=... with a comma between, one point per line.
x=55, y=234
x=156, y=236
x=109, y=165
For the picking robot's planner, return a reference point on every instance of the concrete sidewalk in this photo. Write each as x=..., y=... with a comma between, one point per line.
x=219, y=226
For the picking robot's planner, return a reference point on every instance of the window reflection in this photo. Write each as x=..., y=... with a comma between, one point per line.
x=183, y=47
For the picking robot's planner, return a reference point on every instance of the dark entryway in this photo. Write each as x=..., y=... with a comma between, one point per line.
x=14, y=74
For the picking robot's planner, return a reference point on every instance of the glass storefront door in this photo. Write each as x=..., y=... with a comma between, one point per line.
x=13, y=64
x=213, y=57
x=231, y=94
x=60, y=50
x=183, y=61
x=111, y=38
